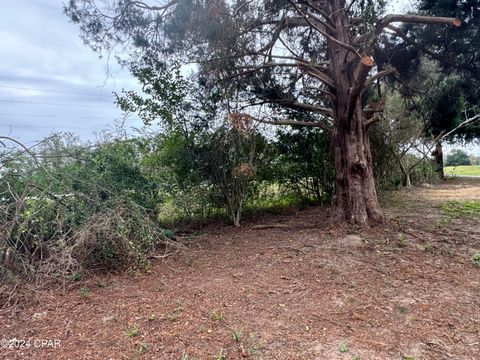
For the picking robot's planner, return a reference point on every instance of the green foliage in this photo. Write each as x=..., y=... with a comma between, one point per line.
x=165, y=91
x=229, y=161
x=89, y=207
x=132, y=331
x=305, y=163
x=217, y=315
x=386, y=151
x=453, y=55
x=457, y=158
x=84, y=291
x=446, y=105
x=237, y=334
x=463, y=170
x=220, y=355
x=459, y=209
x=454, y=43
x=343, y=348
x=476, y=258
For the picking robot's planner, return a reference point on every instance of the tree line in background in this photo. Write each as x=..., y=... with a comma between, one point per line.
x=67, y=207
x=461, y=158
x=317, y=63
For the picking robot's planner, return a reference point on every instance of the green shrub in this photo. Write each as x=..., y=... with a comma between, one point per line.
x=94, y=209
x=305, y=163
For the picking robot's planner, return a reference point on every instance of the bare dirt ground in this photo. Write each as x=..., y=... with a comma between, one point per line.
x=282, y=287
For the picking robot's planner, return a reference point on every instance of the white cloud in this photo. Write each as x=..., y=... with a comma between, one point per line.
x=41, y=51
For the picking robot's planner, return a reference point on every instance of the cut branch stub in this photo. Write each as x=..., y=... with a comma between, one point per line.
x=360, y=78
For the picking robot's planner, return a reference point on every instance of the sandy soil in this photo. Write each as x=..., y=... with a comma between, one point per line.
x=291, y=286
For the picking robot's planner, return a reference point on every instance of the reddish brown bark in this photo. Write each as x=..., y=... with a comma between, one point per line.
x=356, y=200
x=438, y=155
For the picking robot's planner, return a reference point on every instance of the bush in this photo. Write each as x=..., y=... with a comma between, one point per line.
x=94, y=209
x=458, y=158
x=305, y=163
x=229, y=162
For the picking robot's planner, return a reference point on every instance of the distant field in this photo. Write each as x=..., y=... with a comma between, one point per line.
x=473, y=170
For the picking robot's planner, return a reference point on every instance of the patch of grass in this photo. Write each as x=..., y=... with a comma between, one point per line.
x=132, y=332
x=428, y=247
x=402, y=309
x=217, y=315
x=343, y=348
x=143, y=347
x=402, y=241
x=186, y=357
x=169, y=234
x=472, y=170
x=461, y=209
x=356, y=358
x=220, y=355
x=476, y=258
x=74, y=276
x=178, y=310
x=84, y=291
x=236, y=335
x=254, y=345
x=252, y=350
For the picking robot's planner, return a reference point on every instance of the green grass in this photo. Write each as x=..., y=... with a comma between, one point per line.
x=459, y=209
x=473, y=170
x=476, y=258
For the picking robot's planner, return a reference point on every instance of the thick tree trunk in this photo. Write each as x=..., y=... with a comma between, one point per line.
x=438, y=155
x=356, y=200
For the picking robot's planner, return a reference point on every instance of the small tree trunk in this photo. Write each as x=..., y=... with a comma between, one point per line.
x=408, y=181
x=237, y=213
x=236, y=221
x=438, y=155
x=356, y=199
x=405, y=172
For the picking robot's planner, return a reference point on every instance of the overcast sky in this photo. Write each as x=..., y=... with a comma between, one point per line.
x=49, y=80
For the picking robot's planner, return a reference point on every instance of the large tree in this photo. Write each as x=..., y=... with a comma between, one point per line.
x=455, y=69
x=313, y=57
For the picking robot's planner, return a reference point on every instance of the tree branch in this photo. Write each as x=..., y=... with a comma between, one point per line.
x=380, y=75
x=372, y=120
x=323, y=32
x=415, y=19
x=313, y=71
x=142, y=5
x=360, y=76
x=295, y=123
x=321, y=12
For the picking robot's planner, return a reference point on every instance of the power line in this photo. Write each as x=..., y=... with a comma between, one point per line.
x=56, y=116
x=53, y=91
x=47, y=103
x=47, y=127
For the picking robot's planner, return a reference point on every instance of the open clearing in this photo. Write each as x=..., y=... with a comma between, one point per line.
x=472, y=170
x=284, y=287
